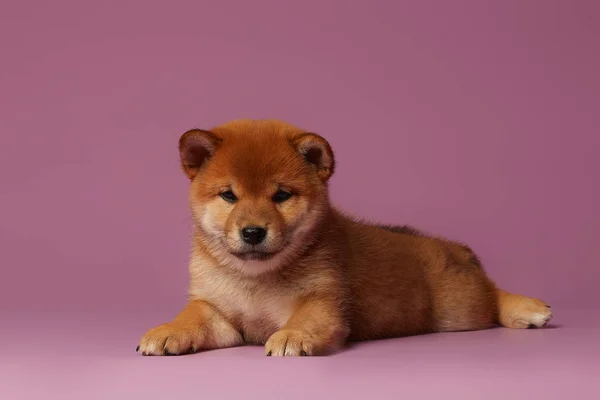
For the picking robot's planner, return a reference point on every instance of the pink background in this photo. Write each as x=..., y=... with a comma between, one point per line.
x=472, y=119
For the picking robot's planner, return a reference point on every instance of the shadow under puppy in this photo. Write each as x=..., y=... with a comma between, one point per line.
x=274, y=263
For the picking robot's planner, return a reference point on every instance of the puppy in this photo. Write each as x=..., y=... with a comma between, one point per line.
x=273, y=263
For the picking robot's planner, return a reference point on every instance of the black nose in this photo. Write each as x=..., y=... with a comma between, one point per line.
x=253, y=234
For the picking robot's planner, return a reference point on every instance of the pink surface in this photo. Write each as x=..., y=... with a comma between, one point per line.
x=81, y=356
x=475, y=120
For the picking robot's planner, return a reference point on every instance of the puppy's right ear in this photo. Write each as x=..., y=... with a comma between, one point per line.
x=195, y=147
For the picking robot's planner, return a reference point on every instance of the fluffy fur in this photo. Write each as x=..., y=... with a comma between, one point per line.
x=320, y=278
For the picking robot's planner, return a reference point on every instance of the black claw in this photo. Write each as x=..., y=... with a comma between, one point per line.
x=548, y=306
x=531, y=326
x=169, y=354
x=269, y=354
x=192, y=350
x=302, y=353
x=137, y=349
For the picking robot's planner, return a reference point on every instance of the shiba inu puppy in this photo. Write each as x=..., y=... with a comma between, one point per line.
x=273, y=263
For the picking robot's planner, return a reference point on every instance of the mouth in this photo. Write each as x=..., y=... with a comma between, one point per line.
x=254, y=255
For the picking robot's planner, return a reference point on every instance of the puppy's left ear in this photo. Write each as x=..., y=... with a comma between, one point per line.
x=196, y=146
x=316, y=151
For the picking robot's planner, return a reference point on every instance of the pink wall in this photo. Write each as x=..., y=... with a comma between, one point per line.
x=476, y=120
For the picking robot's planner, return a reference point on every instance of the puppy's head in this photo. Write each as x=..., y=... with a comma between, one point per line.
x=258, y=191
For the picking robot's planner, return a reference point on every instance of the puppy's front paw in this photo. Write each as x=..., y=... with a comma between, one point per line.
x=290, y=342
x=170, y=339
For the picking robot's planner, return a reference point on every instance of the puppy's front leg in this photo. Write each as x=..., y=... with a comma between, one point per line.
x=315, y=328
x=198, y=327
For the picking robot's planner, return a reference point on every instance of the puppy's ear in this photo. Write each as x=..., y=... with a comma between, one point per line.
x=317, y=151
x=195, y=147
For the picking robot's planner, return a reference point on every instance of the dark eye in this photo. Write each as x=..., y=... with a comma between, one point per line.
x=281, y=196
x=229, y=196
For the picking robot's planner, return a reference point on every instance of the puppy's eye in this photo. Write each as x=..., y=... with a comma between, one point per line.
x=229, y=196
x=281, y=196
